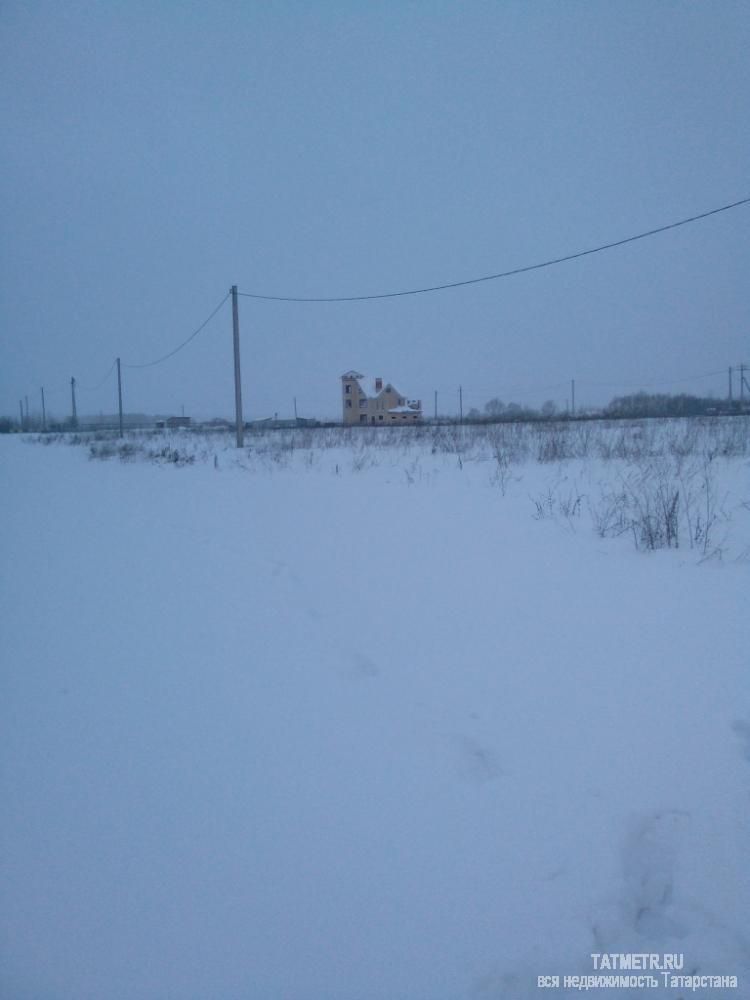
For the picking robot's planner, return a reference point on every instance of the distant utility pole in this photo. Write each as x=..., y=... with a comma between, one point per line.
x=119, y=394
x=44, y=411
x=295, y=408
x=572, y=397
x=237, y=379
x=730, y=385
x=436, y=406
x=73, y=414
x=20, y=406
x=26, y=398
x=460, y=405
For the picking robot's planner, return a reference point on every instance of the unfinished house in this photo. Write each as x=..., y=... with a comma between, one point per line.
x=383, y=405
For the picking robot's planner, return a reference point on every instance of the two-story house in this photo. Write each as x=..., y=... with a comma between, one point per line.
x=384, y=405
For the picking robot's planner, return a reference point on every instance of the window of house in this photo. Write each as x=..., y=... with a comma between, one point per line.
x=348, y=389
x=380, y=417
x=349, y=403
x=362, y=402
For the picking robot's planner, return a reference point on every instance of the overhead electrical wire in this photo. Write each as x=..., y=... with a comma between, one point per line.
x=441, y=287
x=500, y=274
x=661, y=381
x=475, y=392
x=193, y=335
x=93, y=388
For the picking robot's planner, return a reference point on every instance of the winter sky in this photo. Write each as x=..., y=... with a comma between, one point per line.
x=156, y=153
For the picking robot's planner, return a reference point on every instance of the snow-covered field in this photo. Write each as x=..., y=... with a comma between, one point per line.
x=358, y=717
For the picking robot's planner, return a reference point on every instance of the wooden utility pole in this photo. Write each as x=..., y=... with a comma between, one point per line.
x=295, y=408
x=74, y=415
x=237, y=378
x=26, y=399
x=119, y=394
x=460, y=404
x=44, y=411
x=572, y=397
x=20, y=406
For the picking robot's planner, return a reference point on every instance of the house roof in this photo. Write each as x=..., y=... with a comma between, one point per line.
x=375, y=393
x=386, y=388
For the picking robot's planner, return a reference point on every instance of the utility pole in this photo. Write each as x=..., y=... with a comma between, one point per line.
x=295, y=409
x=237, y=379
x=26, y=398
x=119, y=394
x=44, y=412
x=20, y=406
x=572, y=397
x=74, y=415
x=436, y=406
x=460, y=405
x=730, y=386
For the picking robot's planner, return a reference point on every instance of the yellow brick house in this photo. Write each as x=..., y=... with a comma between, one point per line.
x=382, y=406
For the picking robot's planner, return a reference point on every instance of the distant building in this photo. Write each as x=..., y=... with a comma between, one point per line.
x=174, y=423
x=384, y=405
x=274, y=423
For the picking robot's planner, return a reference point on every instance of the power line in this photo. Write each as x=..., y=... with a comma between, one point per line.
x=518, y=388
x=473, y=392
x=501, y=274
x=662, y=381
x=193, y=335
x=93, y=388
x=476, y=392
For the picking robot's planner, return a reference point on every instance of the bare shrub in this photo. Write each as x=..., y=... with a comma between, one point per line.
x=102, y=449
x=553, y=443
x=702, y=509
x=362, y=458
x=645, y=503
x=502, y=475
x=558, y=506
x=666, y=494
x=661, y=502
x=170, y=455
x=127, y=451
x=545, y=505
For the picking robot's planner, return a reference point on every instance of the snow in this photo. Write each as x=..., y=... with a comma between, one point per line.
x=354, y=722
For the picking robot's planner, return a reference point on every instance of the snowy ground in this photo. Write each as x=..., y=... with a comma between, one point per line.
x=371, y=723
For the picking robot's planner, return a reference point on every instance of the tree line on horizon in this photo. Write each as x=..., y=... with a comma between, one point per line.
x=633, y=405
x=636, y=404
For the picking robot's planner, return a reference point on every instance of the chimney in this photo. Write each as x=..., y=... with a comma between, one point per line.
x=378, y=384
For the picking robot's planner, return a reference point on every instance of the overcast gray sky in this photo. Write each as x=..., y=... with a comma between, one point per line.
x=156, y=153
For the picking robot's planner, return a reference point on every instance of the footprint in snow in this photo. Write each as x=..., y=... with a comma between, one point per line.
x=475, y=761
x=741, y=729
x=363, y=666
x=649, y=861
